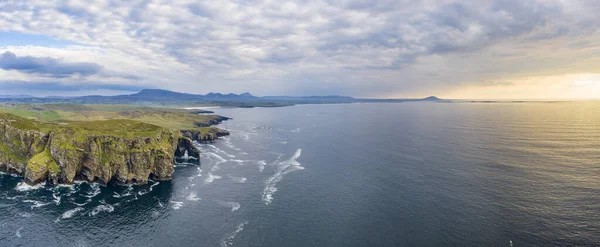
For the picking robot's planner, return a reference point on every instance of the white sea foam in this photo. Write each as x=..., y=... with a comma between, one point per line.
x=25, y=214
x=9, y=174
x=296, y=130
x=36, y=204
x=211, y=178
x=95, y=191
x=18, y=233
x=124, y=194
x=102, y=208
x=22, y=186
x=154, y=184
x=261, y=165
x=199, y=172
x=218, y=150
x=176, y=205
x=13, y=197
x=82, y=204
x=233, y=205
x=70, y=213
x=193, y=196
x=240, y=162
x=238, y=179
x=216, y=157
x=56, y=198
x=227, y=142
x=282, y=169
x=228, y=240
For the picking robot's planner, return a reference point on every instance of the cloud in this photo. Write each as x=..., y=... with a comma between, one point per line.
x=47, y=66
x=356, y=47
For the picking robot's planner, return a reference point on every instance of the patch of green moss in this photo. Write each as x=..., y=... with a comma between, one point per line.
x=9, y=153
x=43, y=160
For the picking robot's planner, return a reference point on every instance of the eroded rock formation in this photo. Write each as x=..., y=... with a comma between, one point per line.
x=115, y=151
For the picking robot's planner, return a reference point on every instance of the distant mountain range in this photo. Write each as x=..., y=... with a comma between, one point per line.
x=166, y=97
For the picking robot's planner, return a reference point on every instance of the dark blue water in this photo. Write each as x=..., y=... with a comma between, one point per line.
x=409, y=174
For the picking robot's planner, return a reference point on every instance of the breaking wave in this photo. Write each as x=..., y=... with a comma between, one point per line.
x=102, y=208
x=36, y=204
x=233, y=205
x=238, y=179
x=193, y=196
x=283, y=168
x=211, y=178
x=22, y=186
x=176, y=205
x=70, y=213
x=228, y=240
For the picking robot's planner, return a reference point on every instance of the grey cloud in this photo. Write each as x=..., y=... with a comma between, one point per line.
x=277, y=44
x=47, y=66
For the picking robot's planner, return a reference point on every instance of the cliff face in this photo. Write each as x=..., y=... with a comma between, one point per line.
x=205, y=134
x=117, y=151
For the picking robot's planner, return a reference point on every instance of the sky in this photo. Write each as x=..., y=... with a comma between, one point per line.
x=484, y=49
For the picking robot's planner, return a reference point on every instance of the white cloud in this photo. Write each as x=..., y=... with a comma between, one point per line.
x=363, y=48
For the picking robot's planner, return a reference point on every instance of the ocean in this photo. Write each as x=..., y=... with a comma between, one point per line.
x=396, y=174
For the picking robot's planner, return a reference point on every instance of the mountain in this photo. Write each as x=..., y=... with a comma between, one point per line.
x=431, y=98
x=166, y=97
x=20, y=96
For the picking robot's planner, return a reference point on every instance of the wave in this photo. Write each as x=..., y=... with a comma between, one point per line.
x=95, y=191
x=22, y=186
x=241, y=162
x=218, y=150
x=25, y=214
x=227, y=142
x=261, y=165
x=102, y=208
x=228, y=240
x=9, y=174
x=193, y=196
x=56, y=198
x=238, y=179
x=233, y=205
x=70, y=213
x=218, y=158
x=124, y=194
x=176, y=205
x=283, y=168
x=211, y=178
x=18, y=233
x=36, y=204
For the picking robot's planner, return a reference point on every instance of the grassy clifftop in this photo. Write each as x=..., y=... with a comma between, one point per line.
x=164, y=117
x=119, y=144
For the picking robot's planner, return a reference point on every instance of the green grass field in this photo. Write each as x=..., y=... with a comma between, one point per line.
x=171, y=118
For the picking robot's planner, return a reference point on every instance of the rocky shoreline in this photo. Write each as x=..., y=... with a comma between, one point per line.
x=110, y=151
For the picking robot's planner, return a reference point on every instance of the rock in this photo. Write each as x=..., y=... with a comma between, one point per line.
x=213, y=121
x=201, y=112
x=186, y=144
x=205, y=134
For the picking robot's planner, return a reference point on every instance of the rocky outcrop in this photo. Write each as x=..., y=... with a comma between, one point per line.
x=115, y=151
x=186, y=145
x=206, y=134
x=213, y=121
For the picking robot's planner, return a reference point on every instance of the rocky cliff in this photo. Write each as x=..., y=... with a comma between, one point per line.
x=205, y=134
x=115, y=151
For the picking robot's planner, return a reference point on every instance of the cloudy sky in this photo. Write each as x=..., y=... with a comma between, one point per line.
x=484, y=49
